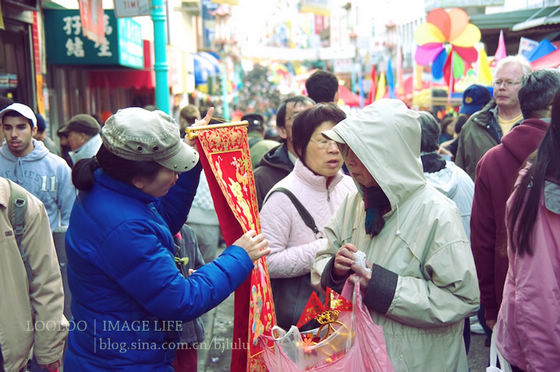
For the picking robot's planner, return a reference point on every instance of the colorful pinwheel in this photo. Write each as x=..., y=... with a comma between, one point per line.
x=446, y=39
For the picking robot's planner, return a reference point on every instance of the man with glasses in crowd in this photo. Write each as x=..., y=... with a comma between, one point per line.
x=279, y=161
x=485, y=128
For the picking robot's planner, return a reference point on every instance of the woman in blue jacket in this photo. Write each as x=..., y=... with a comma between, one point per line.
x=129, y=300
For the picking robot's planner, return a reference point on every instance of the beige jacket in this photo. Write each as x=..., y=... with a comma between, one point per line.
x=27, y=310
x=424, y=280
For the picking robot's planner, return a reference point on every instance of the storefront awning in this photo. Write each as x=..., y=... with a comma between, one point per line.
x=541, y=17
x=126, y=78
x=517, y=20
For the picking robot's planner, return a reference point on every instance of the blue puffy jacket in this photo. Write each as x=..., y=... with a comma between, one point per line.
x=128, y=297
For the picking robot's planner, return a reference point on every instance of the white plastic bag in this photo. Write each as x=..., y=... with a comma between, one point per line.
x=495, y=356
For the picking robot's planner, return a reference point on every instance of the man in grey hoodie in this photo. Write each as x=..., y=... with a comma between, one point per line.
x=27, y=162
x=452, y=182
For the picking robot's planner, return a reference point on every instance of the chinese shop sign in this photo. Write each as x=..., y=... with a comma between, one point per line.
x=67, y=45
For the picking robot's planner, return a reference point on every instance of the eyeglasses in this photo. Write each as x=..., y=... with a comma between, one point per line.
x=506, y=83
x=323, y=143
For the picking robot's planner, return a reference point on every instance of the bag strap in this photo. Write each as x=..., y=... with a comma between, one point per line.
x=493, y=351
x=305, y=216
x=17, y=208
x=496, y=356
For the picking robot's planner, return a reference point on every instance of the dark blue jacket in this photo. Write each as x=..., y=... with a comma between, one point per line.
x=128, y=298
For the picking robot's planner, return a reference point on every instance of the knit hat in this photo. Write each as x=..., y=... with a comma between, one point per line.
x=41, y=123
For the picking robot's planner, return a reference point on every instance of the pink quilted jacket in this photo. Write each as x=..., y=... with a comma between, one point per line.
x=293, y=245
x=529, y=319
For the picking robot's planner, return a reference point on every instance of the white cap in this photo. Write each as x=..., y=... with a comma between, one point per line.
x=21, y=109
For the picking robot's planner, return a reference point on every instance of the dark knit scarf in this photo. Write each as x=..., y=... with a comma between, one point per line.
x=376, y=205
x=432, y=162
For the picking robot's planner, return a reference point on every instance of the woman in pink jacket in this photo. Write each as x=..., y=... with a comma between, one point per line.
x=319, y=185
x=528, y=327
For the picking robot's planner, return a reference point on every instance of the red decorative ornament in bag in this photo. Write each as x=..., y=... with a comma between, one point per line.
x=347, y=339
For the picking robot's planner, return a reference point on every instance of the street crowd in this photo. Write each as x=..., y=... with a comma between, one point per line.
x=458, y=220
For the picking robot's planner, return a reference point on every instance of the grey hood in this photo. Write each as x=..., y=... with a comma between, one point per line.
x=385, y=136
x=446, y=180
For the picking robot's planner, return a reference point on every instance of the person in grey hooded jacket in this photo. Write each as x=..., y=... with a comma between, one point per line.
x=445, y=176
x=422, y=282
x=28, y=163
x=451, y=181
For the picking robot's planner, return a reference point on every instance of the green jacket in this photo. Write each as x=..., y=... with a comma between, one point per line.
x=424, y=279
x=479, y=134
x=259, y=148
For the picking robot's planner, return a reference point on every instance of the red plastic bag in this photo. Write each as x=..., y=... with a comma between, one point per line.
x=365, y=351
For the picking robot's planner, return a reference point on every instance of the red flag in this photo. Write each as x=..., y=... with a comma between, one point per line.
x=448, y=72
x=93, y=21
x=227, y=164
x=373, y=86
x=314, y=307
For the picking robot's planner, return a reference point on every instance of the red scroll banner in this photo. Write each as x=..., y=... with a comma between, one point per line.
x=227, y=164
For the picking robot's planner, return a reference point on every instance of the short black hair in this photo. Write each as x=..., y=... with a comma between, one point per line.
x=537, y=91
x=322, y=86
x=430, y=132
x=190, y=113
x=309, y=120
x=256, y=122
x=281, y=112
x=445, y=122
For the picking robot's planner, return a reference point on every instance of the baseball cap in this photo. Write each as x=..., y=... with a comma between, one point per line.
x=21, y=109
x=256, y=121
x=137, y=134
x=475, y=97
x=82, y=123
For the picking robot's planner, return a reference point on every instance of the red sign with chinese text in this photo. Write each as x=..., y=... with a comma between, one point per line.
x=93, y=20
